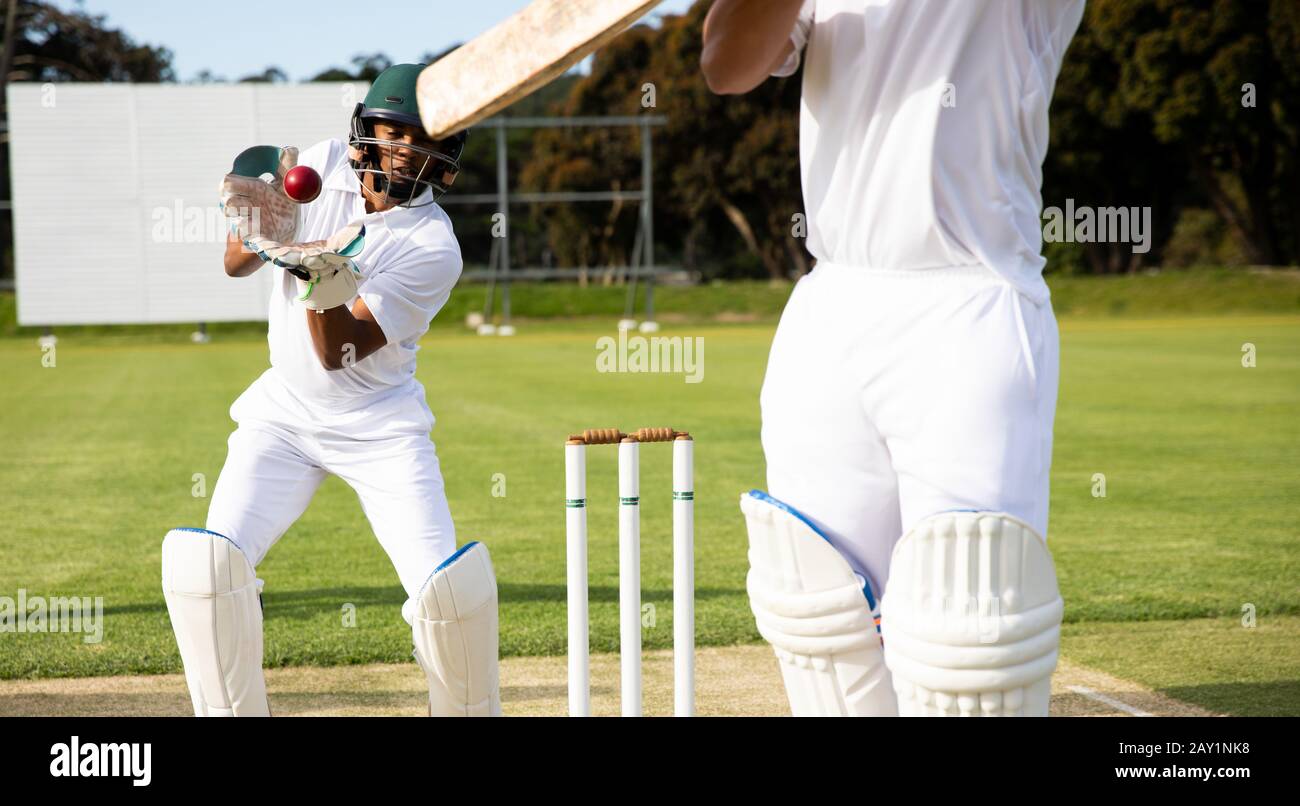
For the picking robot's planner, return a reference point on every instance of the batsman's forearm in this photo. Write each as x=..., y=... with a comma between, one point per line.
x=744, y=41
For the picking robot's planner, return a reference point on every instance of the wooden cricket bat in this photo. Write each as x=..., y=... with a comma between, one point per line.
x=518, y=56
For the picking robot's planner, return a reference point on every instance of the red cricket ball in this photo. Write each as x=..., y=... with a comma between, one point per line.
x=302, y=184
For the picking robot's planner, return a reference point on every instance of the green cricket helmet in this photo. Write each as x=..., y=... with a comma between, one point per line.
x=412, y=168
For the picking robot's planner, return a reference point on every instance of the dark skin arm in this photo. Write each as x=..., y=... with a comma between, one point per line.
x=239, y=263
x=344, y=337
x=332, y=331
x=744, y=41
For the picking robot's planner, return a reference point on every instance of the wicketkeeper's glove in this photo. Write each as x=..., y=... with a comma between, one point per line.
x=327, y=277
x=255, y=207
x=266, y=220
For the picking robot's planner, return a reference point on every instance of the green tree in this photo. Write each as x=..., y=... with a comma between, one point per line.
x=1192, y=72
x=50, y=44
x=271, y=75
x=733, y=160
x=1178, y=103
x=726, y=168
x=365, y=67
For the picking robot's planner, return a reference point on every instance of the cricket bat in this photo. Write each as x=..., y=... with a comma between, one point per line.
x=516, y=57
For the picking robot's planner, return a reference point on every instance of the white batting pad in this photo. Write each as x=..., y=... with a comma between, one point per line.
x=212, y=598
x=455, y=633
x=817, y=614
x=971, y=617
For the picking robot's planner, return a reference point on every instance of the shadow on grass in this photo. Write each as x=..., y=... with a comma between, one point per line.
x=1279, y=698
x=308, y=603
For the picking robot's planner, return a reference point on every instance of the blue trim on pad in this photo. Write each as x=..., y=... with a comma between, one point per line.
x=197, y=530
x=784, y=507
x=455, y=556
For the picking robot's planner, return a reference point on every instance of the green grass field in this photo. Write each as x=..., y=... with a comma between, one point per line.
x=1198, y=521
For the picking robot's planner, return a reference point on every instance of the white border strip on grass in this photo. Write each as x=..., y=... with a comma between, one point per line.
x=1111, y=701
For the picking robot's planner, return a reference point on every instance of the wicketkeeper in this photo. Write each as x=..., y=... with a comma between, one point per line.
x=359, y=274
x=910, y=391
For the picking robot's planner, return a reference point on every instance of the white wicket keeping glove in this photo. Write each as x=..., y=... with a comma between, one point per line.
x=257, y=208
x=327, y=277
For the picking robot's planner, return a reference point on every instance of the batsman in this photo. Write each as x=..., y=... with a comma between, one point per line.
x=359, y=272
x=911, y=387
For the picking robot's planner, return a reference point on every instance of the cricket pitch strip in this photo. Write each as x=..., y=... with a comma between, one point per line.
x=731, y=681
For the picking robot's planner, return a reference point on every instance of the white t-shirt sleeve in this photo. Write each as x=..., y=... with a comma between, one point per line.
x=406, y=296
x=318, y=156
x=1059, y=21
x=798, y=38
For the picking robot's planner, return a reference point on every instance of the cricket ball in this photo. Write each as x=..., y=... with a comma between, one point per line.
x=302, y=184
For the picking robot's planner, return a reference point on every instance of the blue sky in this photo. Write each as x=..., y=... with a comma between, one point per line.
x=234, y=38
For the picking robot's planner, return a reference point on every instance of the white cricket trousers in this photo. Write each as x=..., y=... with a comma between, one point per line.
x=271, y=474
x=893, y=395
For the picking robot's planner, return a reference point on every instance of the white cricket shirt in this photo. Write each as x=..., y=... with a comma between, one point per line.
x=410, y=263
x=923, y=128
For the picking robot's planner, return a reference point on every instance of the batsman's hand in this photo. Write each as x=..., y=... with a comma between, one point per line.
x=252, y=196
x=327, y=276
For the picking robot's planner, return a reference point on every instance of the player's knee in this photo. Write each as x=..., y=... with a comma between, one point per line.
x=214, y=605
x=454, y=626
x=459, y=586
x=971, y=616
x=816, y=612
x=806, y=598
x=204, y=563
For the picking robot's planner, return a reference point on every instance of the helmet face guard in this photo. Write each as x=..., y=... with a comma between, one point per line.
x=413, y=169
